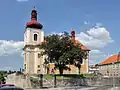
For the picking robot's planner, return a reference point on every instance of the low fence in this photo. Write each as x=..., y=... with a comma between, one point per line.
x=26, y=81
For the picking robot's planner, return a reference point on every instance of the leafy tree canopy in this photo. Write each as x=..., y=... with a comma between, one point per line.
x=2, y=79
x=61, y=50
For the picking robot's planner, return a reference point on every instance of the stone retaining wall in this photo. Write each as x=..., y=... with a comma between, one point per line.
x=25, y=82
x=19, y=80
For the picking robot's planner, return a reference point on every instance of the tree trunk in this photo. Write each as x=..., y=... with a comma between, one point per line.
x=60, y=71
x=79, y=69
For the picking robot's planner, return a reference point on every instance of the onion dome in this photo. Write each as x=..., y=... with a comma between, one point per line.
x=34, y=23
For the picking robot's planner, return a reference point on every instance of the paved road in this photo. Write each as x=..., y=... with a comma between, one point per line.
x=66, y=88
x=106, y=88
x=82, y=88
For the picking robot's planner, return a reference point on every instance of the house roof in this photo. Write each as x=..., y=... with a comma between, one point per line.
x=77, y=42
x=82, y=46
x=111, y=59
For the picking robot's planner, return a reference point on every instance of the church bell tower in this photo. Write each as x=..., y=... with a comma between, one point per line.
x=33, y=33
x=33, y=36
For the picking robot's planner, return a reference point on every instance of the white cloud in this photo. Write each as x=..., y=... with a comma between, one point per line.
x=95, y=52
x=7, y=68
x=86, y=22
x=10, y=47
x=97, y=58
x=22, y=54
x=100, y=33
x=58, y=33
x=95, y=39
x=21, y=0
x=98, y=24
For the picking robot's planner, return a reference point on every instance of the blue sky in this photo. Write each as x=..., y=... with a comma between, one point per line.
x=96, y=23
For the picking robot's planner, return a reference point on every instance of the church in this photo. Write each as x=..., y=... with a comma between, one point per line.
x=33, y=61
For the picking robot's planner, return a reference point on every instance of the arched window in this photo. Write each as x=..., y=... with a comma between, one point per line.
x=39, y=55
x=35, y=37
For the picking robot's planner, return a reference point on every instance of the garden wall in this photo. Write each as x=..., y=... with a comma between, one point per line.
x=24, y=81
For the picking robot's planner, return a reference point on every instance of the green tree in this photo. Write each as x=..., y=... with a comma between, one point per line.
x=61, y=50
x=2, y=79
x=75, y=56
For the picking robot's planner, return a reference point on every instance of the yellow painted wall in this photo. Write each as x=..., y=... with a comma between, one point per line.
x=74, y=70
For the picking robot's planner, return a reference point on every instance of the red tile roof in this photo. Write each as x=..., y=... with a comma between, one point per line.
x=82, y=47
x=111, y=59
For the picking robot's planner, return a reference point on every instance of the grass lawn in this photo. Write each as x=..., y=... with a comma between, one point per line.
x=65, y=76
x=48, y=76
x=68, y=76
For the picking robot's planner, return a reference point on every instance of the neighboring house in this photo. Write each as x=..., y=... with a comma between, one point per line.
x=110, y=67
x=33, y=61
x=93, y=69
